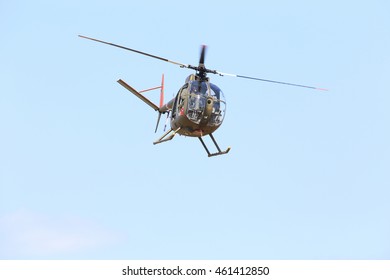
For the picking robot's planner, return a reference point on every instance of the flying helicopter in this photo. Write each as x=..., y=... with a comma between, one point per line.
x=199, y=107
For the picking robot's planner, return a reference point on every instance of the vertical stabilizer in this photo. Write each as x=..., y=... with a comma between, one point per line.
x=162, y=91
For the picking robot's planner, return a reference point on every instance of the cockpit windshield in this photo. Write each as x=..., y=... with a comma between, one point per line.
x=197, y=100
x=201, y=94
x=199, y=88
x=217, y=92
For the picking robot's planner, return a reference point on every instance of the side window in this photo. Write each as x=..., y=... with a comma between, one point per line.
x=219, y=106
x=178, y=100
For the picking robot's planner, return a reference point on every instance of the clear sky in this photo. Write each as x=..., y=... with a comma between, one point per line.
x=308, y=173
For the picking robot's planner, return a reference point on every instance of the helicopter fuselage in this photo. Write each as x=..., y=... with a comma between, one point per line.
x=198, y=108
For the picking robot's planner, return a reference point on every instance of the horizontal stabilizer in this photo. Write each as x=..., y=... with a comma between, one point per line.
x=139, y=95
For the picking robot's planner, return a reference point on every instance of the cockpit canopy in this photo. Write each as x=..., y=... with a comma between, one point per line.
x=206, y=101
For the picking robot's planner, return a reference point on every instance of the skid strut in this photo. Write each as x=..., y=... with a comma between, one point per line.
x=216, y=145
x=167, y=136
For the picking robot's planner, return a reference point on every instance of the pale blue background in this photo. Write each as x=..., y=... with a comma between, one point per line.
x=308, y=173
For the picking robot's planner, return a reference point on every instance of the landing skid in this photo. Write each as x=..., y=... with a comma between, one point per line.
x=167, y=136
x=216, y=145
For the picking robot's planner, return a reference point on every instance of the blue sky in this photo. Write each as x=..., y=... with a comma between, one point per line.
x=308, y=173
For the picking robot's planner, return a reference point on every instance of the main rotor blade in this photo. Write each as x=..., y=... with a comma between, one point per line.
x=202, y=55
x=269, y=81
x=201, y=67
x=136, y=51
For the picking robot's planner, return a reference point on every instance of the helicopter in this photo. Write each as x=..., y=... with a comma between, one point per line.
x=199, y=107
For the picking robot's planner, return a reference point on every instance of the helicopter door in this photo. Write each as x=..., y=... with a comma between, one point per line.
x=197, y=100
x=219, y=106
x=178, y=102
